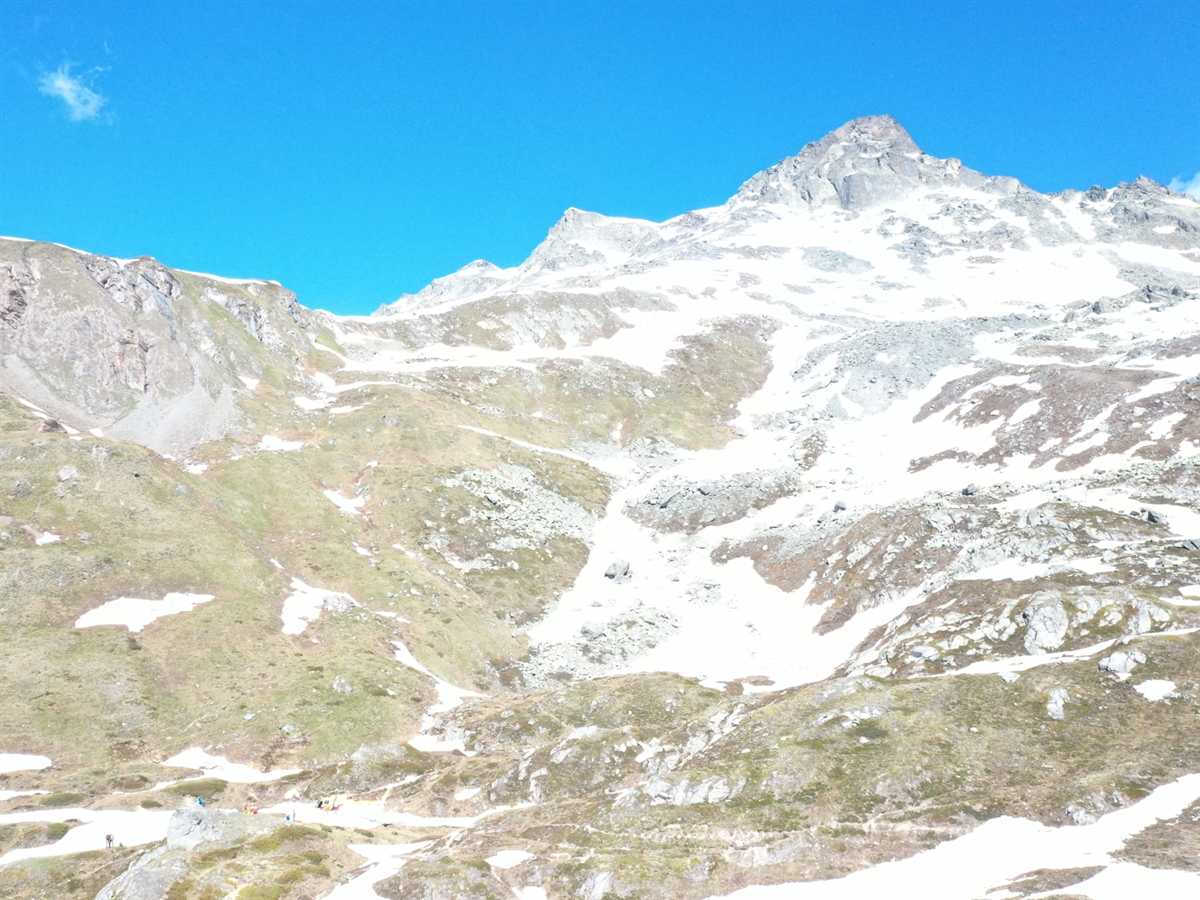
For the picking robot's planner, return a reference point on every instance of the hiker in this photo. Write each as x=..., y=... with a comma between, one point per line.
x=108, y=841
x=199, y=800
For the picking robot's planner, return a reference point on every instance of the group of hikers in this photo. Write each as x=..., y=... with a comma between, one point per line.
x=327, y=803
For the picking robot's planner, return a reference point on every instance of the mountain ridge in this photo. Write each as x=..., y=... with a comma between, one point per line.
x=755, y=547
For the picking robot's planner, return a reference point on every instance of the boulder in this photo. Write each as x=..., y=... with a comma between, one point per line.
x=1149, y=615
x=1122, y=662
x=1054, y=706
x=619, y=571
x=1046, y=625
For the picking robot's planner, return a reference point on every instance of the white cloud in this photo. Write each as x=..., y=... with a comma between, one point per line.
x=1190, y=187
x=82, y=102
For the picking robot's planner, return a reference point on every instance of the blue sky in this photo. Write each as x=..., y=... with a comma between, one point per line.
x=356, y=151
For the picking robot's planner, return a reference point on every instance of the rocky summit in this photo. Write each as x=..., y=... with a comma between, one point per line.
x=840, y=540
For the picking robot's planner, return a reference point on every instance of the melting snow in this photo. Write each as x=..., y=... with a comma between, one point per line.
x=1162, y=429
x=220, y=767
x=135, y=614
x=449, y=697
x=21, y=762
x=47, y=538
x=347, y=506
x=385, y=860
x=1002, y=849
x=9, y=795
x=507, y=859
x=1021, y=663
x=1156, y=689
x=303, y=606
x=312, y=403
x=270, y=442
x=131, y=829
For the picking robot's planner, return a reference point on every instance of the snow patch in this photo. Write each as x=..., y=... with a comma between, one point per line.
x=347, y=506
x=278, y=445
x=304, y=605
x=131, y=829
x=1001, y=849
x=135, y=613
x=23, y=762
x=507, y=859
x=222, y=768
x=1156, y=689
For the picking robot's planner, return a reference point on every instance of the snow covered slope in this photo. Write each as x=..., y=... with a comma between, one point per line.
x=930, y=328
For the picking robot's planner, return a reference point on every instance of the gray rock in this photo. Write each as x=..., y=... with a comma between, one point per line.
x=1080, y=815
x=195, y=825
x=1148, y=615
x=864, y=163
x=591, y=630
x=1054, y=706
x=147, y=879
x=970, y=490
x=619, y=571
x=1046, y=625
x=66, y=473
x=1122, y=662
x=341, y=685
x=683, y=505
x=1035, y=517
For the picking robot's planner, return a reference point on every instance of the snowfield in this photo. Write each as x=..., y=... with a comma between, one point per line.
x=1001, y=850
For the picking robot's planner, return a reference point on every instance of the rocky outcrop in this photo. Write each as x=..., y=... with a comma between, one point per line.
x=136, y=349
x=154, y=873
x=864, y=163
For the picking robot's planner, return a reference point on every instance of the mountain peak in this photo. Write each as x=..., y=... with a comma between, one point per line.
x=865, y=162
x=870, y=132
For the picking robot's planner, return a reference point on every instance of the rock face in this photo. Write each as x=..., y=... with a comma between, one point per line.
x=864, y=163
x=136, y=349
